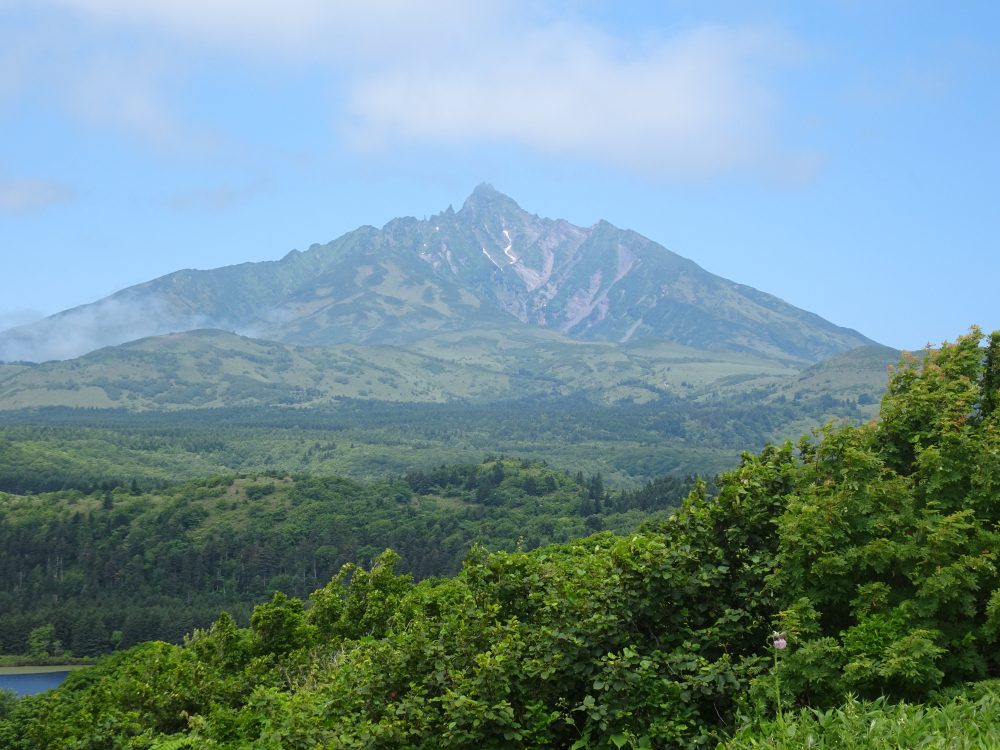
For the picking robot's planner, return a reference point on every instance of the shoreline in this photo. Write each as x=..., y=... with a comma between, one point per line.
x=41, y=668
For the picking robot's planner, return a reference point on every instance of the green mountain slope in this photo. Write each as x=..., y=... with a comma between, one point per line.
x=856, y=374
x=213, y=368
x=210, y=368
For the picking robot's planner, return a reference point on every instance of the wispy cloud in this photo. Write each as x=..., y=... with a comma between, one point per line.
x=20, y=317
x=301, y=29
x=214, y=198
x=95, y=77
x=696, y=102
x=107, y=322
x=24, y=196
x=125, y=92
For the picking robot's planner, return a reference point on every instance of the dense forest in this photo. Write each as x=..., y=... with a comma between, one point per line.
x=629, y=444
x=114, y=568
x=842, y=591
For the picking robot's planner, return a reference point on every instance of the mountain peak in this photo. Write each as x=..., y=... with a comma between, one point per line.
x=485, y=190
x=485, y=197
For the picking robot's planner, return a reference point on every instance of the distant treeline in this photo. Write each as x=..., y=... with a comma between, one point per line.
x=57, y=448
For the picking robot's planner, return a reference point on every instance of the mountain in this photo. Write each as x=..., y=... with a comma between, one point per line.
x=490, y=265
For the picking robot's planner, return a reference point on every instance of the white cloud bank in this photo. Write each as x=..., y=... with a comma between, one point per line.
x=693, y=103
x=689, y=106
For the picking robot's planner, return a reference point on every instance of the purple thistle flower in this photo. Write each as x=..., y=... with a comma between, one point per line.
x=780, y=643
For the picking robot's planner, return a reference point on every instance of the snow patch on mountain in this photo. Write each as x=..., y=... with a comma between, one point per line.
x=510, y=246
x=486, y=253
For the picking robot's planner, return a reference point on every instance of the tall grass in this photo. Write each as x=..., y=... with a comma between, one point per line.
x=965, y=722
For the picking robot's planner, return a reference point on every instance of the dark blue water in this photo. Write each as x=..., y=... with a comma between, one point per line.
x=29, y=684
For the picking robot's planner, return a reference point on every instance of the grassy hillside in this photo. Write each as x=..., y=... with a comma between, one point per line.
x=211, y=369
x=848, y=375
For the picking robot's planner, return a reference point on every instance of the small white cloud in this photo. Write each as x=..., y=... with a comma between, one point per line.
x=26, y=196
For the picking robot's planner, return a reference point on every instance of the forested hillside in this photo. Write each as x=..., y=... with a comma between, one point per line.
x=113, y=568
x=860, y=562
x=629, y=443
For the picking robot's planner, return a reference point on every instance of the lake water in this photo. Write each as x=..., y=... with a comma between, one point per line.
x=31, y=683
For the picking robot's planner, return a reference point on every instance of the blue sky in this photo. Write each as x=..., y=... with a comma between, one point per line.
x=841, y=155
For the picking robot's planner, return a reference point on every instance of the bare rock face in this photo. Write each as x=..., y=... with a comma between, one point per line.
x=489, y=264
